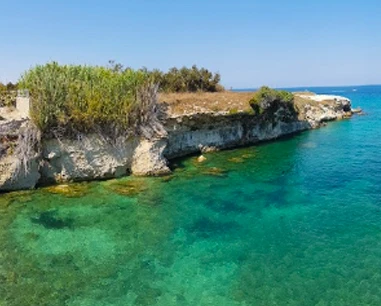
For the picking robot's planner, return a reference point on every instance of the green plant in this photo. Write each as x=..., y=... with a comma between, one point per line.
x=83, y=98
x=8, y=94
x=268, y=103
x=187, y=80
x=233, y=111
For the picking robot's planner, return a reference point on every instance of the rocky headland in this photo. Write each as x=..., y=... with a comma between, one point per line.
x=193, y=123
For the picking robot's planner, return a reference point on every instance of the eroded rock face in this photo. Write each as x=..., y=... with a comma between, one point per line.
x=92, y=157
x=148, y=158
x=14, y=173
x=13, y=177
x=327, y=110
x=194, y=133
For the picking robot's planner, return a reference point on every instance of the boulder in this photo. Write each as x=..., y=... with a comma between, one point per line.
x=201, y=159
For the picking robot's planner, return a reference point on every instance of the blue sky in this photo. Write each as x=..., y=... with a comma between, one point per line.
x=251, y=43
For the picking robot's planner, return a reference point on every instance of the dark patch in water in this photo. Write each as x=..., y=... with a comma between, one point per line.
x=205, y=227
x=276, y=198
x=50, y=220
x=227, y=206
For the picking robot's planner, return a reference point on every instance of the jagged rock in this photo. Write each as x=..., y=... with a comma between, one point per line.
x=13, y=177
x=19, y=162
x=214, y=171
x=356, y=110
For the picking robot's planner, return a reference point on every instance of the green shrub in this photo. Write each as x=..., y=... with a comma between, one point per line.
x=267, y=101
x=187, y=80
x=8, y=94
x=82, y=98
x=233, y=111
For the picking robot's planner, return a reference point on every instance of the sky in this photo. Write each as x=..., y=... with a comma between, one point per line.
x=278, y=43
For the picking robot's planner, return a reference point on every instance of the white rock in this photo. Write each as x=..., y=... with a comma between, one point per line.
x=201, y=158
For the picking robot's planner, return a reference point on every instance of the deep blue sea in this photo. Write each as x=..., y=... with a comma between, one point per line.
x=291, y=222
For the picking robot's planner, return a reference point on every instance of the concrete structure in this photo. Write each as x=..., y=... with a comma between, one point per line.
x=23, y=103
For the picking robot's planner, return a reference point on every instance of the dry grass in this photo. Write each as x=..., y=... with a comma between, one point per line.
x=227, y=101
x=301, y=99
x=187, y=103
x=304, y=93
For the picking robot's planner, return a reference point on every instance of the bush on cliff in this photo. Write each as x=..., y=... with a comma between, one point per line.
x=188, y=80
x=185, y=79
x=8, y=94
x=83, y=98
x=267, y=102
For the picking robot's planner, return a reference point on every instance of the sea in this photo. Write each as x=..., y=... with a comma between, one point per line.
x=296, y=221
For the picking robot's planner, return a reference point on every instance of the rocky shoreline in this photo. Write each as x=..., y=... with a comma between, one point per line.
x=93, y=158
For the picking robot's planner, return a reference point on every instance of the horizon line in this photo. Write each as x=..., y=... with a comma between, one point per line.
x=308, y=86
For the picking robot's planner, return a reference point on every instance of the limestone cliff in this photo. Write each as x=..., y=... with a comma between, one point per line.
x=92, y=157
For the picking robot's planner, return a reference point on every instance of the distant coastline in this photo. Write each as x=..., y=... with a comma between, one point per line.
x=316, y=89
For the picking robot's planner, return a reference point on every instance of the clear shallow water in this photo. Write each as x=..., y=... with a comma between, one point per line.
x=292, y=222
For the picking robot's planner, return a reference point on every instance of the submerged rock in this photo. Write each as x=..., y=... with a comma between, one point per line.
x=201, y=159
x=50, y=220
x=357, y=110
x=236, y=160
x=207, y=228
x=69, y=190
x=17, y=197
x=247, y=156
x=215, y=171
x=127, y=188
x=167, y=178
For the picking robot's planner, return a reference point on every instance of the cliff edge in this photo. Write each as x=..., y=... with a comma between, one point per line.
x=194, y=123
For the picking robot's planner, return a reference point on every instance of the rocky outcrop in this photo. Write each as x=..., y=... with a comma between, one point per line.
x=328, y=108
x=88, y=157
x=198, y=133
x=14, y=177
x=92, y=157
x=148, y=158
x=19, y=166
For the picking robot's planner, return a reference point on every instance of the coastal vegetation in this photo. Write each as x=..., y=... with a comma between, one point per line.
x=8, y=87
x=267, y=101
x=71, y=98
x=185, y=79
x=84, y=98
x=8, y=93
x=67, y=100
x=181, y=80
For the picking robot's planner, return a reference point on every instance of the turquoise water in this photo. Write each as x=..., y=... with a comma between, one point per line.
x=292, y=222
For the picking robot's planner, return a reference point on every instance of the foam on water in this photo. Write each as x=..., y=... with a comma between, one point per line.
x=292, y=222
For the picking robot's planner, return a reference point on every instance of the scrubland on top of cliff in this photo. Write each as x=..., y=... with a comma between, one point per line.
x=114, y=99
